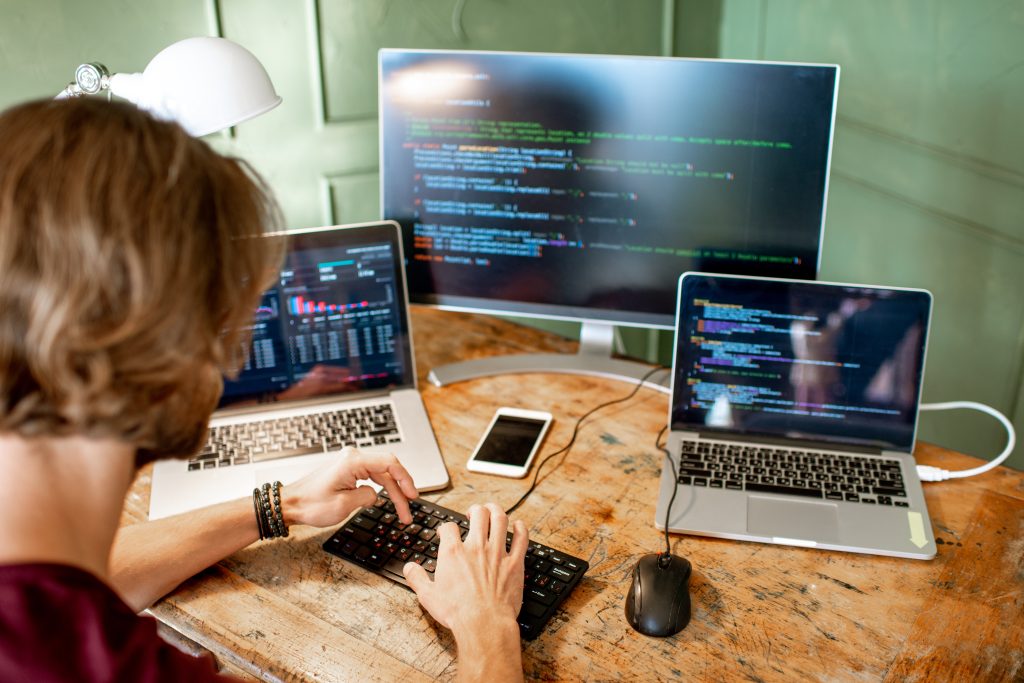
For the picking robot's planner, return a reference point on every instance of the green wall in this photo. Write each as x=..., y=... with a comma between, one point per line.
x=928, y=166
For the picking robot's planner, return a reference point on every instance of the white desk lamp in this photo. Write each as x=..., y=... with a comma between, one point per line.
x=205, y=84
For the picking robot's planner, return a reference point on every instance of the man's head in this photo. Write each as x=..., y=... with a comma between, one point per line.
x=126, y=275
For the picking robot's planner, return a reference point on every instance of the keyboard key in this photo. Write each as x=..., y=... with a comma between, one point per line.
x=887, y=491
x=364, y=523
x=560, y=573
x=787, y=490
x=534, y=609
x=394, y=565
x=540, y=595
x=286, y=453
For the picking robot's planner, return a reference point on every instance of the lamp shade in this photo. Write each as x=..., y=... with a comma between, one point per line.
x=206, y=84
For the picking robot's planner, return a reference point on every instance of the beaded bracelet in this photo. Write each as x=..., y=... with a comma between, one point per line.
x=269, y=515
x=258, y=507
x=280, y=515
x=268, y=511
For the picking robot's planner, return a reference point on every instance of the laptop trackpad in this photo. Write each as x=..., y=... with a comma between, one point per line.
x=792, y=519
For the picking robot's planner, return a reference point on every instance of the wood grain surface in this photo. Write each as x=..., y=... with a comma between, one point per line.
x=286, y=610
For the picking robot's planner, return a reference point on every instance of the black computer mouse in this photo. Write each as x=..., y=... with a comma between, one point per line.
x=658, y=601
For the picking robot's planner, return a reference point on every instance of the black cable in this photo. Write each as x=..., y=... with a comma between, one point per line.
x=668, y=513
x=575, y=431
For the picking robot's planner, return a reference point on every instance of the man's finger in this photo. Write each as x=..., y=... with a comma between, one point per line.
x=401, y=475
x=499, y=527
x=362, y=497
x=447, y=535
x=479, y=524
x=378, y=468
x=520, y=541
x=397, y=497
x=417, y=577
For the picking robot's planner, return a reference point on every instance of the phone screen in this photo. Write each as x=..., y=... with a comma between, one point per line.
x=510, y=440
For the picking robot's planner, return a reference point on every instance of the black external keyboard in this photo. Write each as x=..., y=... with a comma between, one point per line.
x=793, y=472
x=374, y=538
x=239, y=444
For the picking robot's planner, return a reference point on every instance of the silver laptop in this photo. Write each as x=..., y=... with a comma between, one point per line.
x=794, y=412
x=331, y=365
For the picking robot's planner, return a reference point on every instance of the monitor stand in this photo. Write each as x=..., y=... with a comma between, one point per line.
x=593, y=358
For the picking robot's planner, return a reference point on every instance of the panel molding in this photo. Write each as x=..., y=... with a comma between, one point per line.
x=338, y=206
x=981, y=167
x=978, y=229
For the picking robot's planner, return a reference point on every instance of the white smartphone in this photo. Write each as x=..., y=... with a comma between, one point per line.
x=510, y=442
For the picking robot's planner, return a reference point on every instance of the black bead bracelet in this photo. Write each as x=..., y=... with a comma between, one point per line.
x=269, y=517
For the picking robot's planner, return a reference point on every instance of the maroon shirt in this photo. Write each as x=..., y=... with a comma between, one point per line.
x=60, y=623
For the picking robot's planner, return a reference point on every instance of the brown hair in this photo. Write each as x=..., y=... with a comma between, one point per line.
x=128, y=273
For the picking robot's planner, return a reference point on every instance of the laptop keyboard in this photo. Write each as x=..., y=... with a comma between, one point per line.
x=375, y=539
x=810, y=474
x=241, y=444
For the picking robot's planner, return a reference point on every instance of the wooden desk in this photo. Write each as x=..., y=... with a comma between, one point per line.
x=287, y=610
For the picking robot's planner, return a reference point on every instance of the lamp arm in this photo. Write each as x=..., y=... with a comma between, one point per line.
x=127, y=86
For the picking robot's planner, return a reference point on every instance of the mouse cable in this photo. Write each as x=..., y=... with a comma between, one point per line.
x=575, y=432
x=671, y=463
x=929, y=473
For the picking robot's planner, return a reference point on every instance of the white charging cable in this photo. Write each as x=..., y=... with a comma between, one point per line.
x=929, y=473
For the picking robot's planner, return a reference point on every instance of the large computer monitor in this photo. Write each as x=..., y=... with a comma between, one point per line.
x=579, y=187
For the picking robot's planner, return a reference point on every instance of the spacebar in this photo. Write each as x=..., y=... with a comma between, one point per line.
x=286, y=453
x=789, y=490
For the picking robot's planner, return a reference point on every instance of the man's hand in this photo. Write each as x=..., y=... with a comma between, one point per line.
x=477, y=592
x=478, y=580
x=329, y=495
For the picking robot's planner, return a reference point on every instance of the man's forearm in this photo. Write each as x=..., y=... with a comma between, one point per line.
x=150, y=559
x=490, y=651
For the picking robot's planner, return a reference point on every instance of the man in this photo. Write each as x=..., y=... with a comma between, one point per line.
x=124, y=289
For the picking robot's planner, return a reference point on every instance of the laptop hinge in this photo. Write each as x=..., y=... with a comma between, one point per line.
x=309, y=402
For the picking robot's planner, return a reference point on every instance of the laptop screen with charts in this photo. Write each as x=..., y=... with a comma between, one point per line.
x=794, y=411
x=330, y=364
